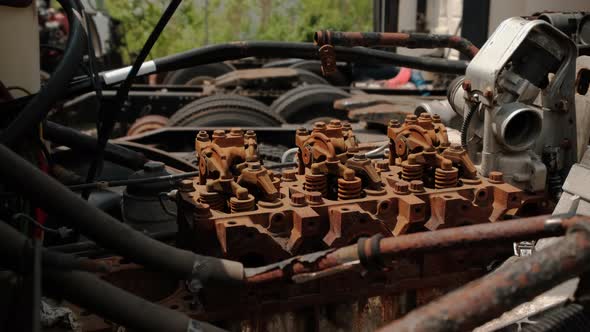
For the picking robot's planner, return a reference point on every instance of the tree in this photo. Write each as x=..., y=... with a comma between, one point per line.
x=215, y=21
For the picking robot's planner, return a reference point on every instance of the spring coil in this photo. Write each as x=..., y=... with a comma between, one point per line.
x=216, y=201
x=446, y=178
x=349, y=189
x=316, y=182
x=570, y=318
x=242, y=205
x=411, y=172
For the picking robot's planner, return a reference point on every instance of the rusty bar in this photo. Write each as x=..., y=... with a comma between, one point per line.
x=480, y=234
x=395, y=39
x=502, y=290
x=466, y=236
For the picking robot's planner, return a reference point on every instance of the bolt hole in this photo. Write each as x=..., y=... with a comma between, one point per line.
x=418, y=210
x=448, y=196
x=232, y=223
x=464, y=207
x=311, y=224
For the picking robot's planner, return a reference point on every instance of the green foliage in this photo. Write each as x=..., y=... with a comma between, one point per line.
x=200, y=22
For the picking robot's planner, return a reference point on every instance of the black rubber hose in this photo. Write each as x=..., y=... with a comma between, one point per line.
x=105, y=230
x=268, y=49
x=78, y=141
x=570, y=318
x=108, y=120
x=56, y=87
x=466, y=124
x=16, y=248
x=119, y=306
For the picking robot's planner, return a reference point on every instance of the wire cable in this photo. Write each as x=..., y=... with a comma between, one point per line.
x=109, y=119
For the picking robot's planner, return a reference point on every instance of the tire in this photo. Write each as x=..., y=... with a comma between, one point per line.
x=315, y=67
x=306, y=103
x=184, y=76
x=307, y=77
x=225, y=111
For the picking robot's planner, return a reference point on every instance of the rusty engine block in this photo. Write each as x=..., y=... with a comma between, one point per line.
x=240, y=210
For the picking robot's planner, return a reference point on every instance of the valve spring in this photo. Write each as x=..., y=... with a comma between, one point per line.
x=446, y=178
x=216, y=201
x=411, y=172
x=242, y=205
x=316, y=182
x=349, y=189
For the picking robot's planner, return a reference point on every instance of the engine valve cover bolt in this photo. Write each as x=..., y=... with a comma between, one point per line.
x=289, y=175
x=186, y=185
x=411, y=119
x=360, y=156
x=219, y=134
x=496, y=177
x=298, y=199
x=394, y=124
x=417, y=186
x=382, y=165
x=202, y=136
x=314, y=198
x=319, y=126
x=401, y=188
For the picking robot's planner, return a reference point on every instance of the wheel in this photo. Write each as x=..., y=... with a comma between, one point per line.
x=225, y=111
x=309, y=102
x=147, y=123
x=184, y=76
x=315, y=67
x=307, y=77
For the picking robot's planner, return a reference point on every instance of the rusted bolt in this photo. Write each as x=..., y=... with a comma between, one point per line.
x=382, y=165
x=242, y=193
x=496, y=177
x=360, y=156
x=202, y=136
x=186, y=186
x=301, y=131
x=488, y=93
x=250, y=134
x=289, y=175
x=411, y=119
x=153, y=166
x=314, y=197
x=393, y=124
x=297, y=199
x=425, y=115
x=467, y=85
x=456, y=148
x=254, y=166
x=412, y=159
x=236, y=132
x=335, y=123
x=401, y=188
x=416, y=186
x=346, y=125
x=348, y=175
x=436, y=118
x=316, y=169
x=219, y=133
x=447, y=165
x=319, y=126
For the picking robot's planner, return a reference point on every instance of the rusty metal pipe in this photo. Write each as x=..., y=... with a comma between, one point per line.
x=390, y=248
x=488, y=297
x=395, y=39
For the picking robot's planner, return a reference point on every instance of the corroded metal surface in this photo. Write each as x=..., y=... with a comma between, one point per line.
x=395, y=39
x=488, y=297
x=239, y=210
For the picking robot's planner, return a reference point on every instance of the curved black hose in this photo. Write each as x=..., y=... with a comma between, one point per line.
x=78, y=141
x=15, y=248
x=105, y=230
x=117, y=305
x=56, y=87
x=466, y=124
x=269, y=49
x=570, y=318
x=105, y=129
x=243, y=49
